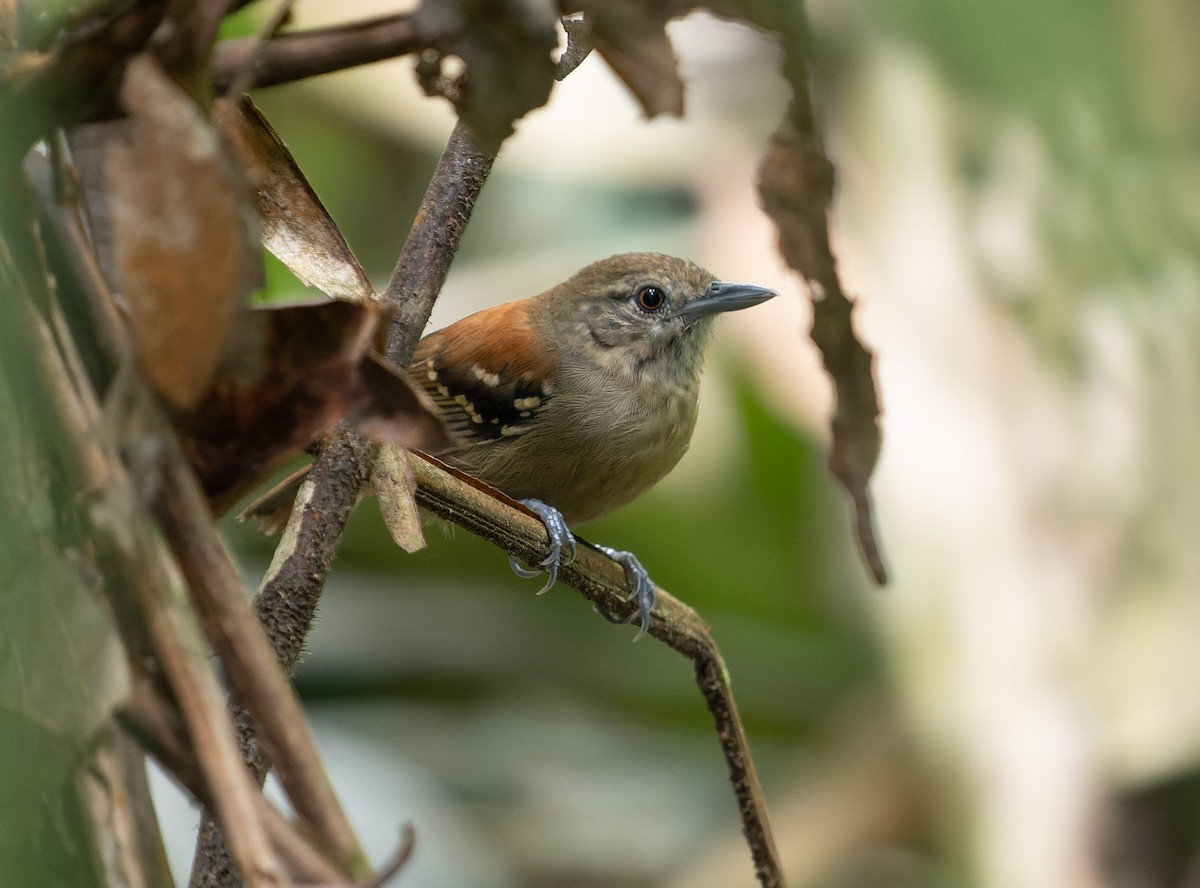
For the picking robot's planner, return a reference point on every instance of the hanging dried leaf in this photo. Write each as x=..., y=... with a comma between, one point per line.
x=289, y=378
x=631, y=35
x=296, y=227
x=395, y=489
x=293, y=372
x=173, y=229
x=796, y=183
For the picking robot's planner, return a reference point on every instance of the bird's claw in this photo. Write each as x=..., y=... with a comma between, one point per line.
x=642, y=588
x=562, y=541
x=560, y=537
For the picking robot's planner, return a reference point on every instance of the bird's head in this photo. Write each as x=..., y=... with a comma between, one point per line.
x=643, y=313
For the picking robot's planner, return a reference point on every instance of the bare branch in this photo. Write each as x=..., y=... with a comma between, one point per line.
x=217, y=594
x=489, y=514
x=151, y=720
x=294, y=56
x=425, y=260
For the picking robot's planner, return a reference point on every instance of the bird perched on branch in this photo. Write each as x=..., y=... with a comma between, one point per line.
x=580, y=399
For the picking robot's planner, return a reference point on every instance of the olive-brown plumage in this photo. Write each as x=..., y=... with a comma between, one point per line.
x=584, y=396
x=579, y=399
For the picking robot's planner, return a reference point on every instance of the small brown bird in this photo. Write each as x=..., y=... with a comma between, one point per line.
x=578, y=400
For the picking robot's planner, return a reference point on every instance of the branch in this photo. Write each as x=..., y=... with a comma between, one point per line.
x=294, y=56
x=150, y=719
x=287, y=602
x=215, y=587
x=146, y=593
x=259, y=685
x=425, y=260
x=505, y=523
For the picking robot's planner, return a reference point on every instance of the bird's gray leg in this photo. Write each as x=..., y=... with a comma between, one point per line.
x=640, y=585
x=560, y=538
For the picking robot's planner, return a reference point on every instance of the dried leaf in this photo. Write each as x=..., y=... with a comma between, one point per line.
x=797, y=185
x=173, y=230
x=394, y=409
x=631, y=35
x=395, y=488
x=293, y=372
x=290, y=376
x=296, y=227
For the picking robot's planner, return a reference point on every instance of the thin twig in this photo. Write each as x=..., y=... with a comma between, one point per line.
x=491, y=515
x=245, y=75
x=425, y=260
x=259, y=685
x=408, y=841
x=297, y=55
x=150, y=718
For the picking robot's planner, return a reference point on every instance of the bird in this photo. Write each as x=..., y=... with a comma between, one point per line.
x=578, y=400
x=573, y=402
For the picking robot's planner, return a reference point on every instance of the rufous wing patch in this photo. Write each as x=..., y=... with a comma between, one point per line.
x=487, y=373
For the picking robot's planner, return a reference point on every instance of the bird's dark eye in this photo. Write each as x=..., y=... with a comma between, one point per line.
x=650, y=298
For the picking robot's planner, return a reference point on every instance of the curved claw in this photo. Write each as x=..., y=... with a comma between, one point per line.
x=560, y=537
x=640, y=584
x=525, y=573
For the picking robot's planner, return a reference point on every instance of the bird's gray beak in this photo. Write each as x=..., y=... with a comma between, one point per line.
x=722, y=296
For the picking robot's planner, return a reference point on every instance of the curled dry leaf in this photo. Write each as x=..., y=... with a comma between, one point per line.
x=173, y=229
x=292, y=374
x=395, y=489
x=391, y=408
x=296, y=227
x=631, y=35
x=796, y=185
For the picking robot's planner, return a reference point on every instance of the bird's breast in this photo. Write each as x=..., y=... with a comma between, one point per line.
x=597, y=445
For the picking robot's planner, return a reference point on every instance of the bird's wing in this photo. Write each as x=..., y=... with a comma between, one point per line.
x=485, y=373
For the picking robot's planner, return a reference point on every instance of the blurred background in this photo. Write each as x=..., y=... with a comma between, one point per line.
x=1018, y=212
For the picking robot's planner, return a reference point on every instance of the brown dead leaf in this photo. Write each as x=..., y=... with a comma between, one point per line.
x=173, y=230
x=506, y=47
x=395, y=489
x=295, y=224
x=391, y=408
x=631, y=35
x=796, y=183
x=291, y=374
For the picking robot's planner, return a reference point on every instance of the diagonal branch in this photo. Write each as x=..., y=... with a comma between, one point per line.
x=491, y=515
